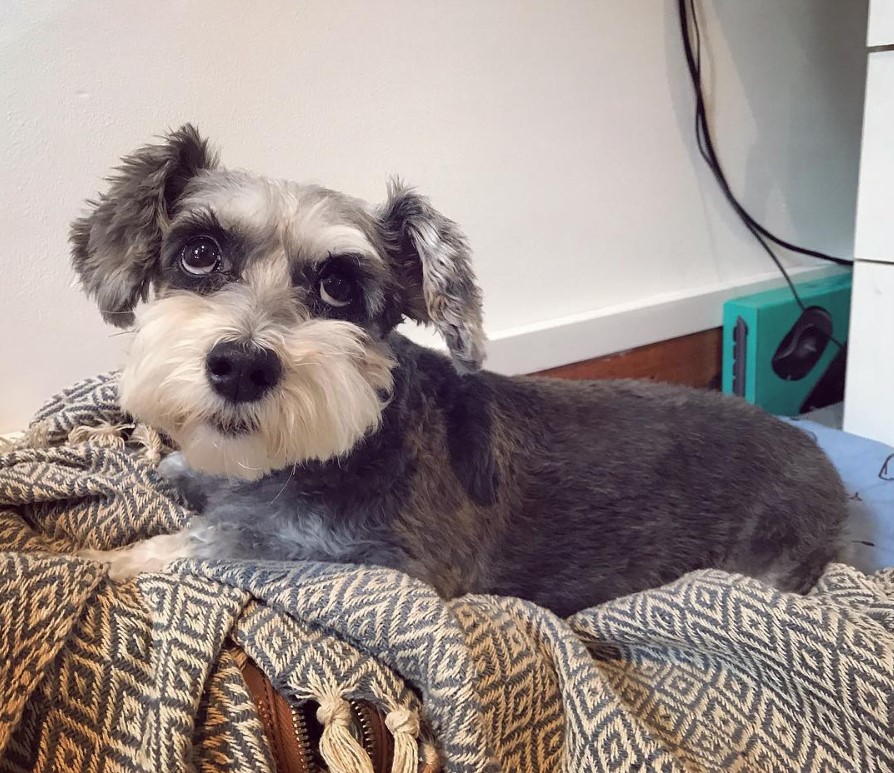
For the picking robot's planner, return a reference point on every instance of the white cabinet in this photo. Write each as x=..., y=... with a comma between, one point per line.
x=869, y=392
x=881, y=23
x=869, y=389
x=874, y=238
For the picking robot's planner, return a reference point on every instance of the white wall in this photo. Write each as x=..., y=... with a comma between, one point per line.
x=559, y=133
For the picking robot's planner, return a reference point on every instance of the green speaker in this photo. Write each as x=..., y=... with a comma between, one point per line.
x=785, y=358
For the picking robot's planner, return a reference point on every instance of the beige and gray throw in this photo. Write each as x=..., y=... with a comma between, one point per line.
x=714, y=672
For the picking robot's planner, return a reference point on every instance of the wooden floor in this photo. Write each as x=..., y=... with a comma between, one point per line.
x=694, y=360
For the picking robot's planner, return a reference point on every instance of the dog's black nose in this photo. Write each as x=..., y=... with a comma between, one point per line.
x=242, y=373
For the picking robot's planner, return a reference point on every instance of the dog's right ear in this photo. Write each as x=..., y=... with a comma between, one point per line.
x=434, y=264
x=115, y=247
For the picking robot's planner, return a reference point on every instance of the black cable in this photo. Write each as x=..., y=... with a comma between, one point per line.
x=705, y=143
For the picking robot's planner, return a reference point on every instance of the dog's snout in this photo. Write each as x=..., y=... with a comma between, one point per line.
x=242, y=373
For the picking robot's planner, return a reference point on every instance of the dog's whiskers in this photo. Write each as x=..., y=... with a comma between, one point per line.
x=288, y=480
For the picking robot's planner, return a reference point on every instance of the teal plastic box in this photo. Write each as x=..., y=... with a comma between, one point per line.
x=762, y=321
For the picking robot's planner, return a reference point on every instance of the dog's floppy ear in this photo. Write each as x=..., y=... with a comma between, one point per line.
x=115, y=247
x=433, y=263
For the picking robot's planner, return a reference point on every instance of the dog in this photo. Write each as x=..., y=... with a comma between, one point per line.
x=309, y=429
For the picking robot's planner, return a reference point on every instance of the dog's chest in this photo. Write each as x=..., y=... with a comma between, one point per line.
x=290, y=520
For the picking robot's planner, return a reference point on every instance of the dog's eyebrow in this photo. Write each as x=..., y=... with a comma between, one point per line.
x=198, y=221
x=204, y=222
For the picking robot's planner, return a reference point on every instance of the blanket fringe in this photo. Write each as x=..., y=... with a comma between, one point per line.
x=404, y=726
x=105, y=434
x=340, y=750
x=102, y=434
x=148, y=440
x=151, y=442
x=36, y=436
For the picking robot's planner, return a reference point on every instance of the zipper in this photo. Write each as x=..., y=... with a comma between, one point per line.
x=293, y=731
x=286, y=732
x=374, y=735
x=360, y=719
x=302, y=737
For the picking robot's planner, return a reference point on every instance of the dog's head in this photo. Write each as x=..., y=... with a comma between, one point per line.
x=261, y=338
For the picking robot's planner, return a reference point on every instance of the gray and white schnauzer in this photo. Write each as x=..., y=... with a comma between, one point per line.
x=309, y=429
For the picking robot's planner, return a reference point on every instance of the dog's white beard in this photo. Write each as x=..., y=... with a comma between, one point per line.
x=330, y=396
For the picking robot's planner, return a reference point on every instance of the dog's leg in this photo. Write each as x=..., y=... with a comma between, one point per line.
x=157, y=553
x=193, y=486
x=151, y=555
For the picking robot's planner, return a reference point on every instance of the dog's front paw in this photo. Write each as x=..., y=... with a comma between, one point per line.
x=119, y=567
x=191, y=484
x=146, y=557
x=173, y=467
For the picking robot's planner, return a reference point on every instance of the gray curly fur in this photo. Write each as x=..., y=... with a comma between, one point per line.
x=568, y=494
x=565, y=493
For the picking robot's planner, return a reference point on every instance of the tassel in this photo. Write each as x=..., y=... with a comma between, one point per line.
x=12, y=442
x=404, y=726
x=37, y=436
x=431, y=758
x=108, y=435
x=151, y=442
x=340, y=750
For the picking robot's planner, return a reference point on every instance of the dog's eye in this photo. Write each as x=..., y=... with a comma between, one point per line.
x=200, y=256
x=336, y=289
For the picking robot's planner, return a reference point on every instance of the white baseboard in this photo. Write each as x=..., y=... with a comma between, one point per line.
x=619, y=328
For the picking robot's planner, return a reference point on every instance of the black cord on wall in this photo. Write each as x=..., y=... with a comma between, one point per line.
x=691, y=33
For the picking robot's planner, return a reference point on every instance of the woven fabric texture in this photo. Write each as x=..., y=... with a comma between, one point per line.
x=714, y=672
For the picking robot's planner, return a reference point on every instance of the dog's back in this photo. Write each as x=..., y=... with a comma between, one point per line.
x=584, y=491
x=624, y=485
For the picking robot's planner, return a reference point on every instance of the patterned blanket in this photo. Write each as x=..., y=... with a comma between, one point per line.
x=713, y=672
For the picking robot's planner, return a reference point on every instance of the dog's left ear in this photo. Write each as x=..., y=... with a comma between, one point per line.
x=115, y=247
x=433, y=262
